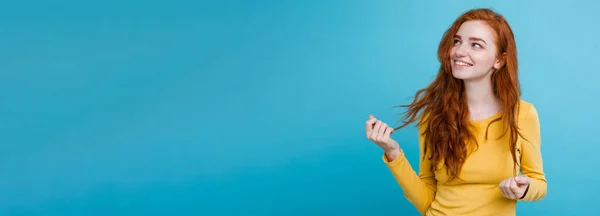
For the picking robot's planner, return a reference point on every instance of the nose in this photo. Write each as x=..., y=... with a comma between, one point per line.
x=460, y=51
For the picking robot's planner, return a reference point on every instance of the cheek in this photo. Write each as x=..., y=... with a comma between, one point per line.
x=483, y=60
x=452, y=50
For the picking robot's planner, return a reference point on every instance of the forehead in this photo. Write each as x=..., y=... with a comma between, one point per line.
x=477, y=28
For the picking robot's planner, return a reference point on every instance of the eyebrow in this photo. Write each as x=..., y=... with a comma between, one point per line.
x=472, y=38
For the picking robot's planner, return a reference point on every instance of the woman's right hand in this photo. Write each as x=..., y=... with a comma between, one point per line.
x=379, y=132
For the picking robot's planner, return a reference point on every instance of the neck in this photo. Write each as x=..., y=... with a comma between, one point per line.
x=480, y=94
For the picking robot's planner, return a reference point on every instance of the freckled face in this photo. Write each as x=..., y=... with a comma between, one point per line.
x=473, y=55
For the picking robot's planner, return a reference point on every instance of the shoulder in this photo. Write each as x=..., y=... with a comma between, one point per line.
x=527, y=117
x=527, y=111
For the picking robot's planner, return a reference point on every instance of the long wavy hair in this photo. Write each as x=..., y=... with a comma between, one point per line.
x=444, y=102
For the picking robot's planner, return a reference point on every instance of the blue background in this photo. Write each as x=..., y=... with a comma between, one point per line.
x=258, y=107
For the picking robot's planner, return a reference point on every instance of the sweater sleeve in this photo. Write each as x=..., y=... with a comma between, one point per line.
x=419, y=189
x=531, y=156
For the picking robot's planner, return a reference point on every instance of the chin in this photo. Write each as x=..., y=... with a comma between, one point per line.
x=463, y=75
x=468, y=76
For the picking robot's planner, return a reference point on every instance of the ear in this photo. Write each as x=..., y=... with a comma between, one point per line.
x=500, y=61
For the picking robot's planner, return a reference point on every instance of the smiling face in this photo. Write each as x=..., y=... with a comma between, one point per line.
x=473, y=55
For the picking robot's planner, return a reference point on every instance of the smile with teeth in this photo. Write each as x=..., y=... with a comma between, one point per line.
x=461, y=63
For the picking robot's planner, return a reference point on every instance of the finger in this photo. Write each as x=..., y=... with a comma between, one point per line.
x=386, y=134
x=522, y=180
x=514, y=190
x=381, y=130
x=503, y=189
x=378, y=124
x=506, y=189
x=369, y=124
x=389, y=131
x=375, y=131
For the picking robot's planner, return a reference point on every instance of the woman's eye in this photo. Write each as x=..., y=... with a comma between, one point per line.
x=476, y=45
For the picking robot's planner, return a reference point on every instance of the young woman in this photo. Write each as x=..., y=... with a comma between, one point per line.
x=475, y=132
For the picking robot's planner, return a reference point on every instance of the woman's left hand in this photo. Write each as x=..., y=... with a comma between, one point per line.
x=515, y=187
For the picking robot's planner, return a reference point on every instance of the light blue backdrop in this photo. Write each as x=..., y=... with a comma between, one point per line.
x=257, y=107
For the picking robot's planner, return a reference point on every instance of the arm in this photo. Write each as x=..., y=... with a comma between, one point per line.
x=531, y=157
x=418, y=189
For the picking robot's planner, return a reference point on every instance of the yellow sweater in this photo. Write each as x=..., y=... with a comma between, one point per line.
x=477, y=191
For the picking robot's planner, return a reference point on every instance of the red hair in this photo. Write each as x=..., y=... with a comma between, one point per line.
x=444, y=100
